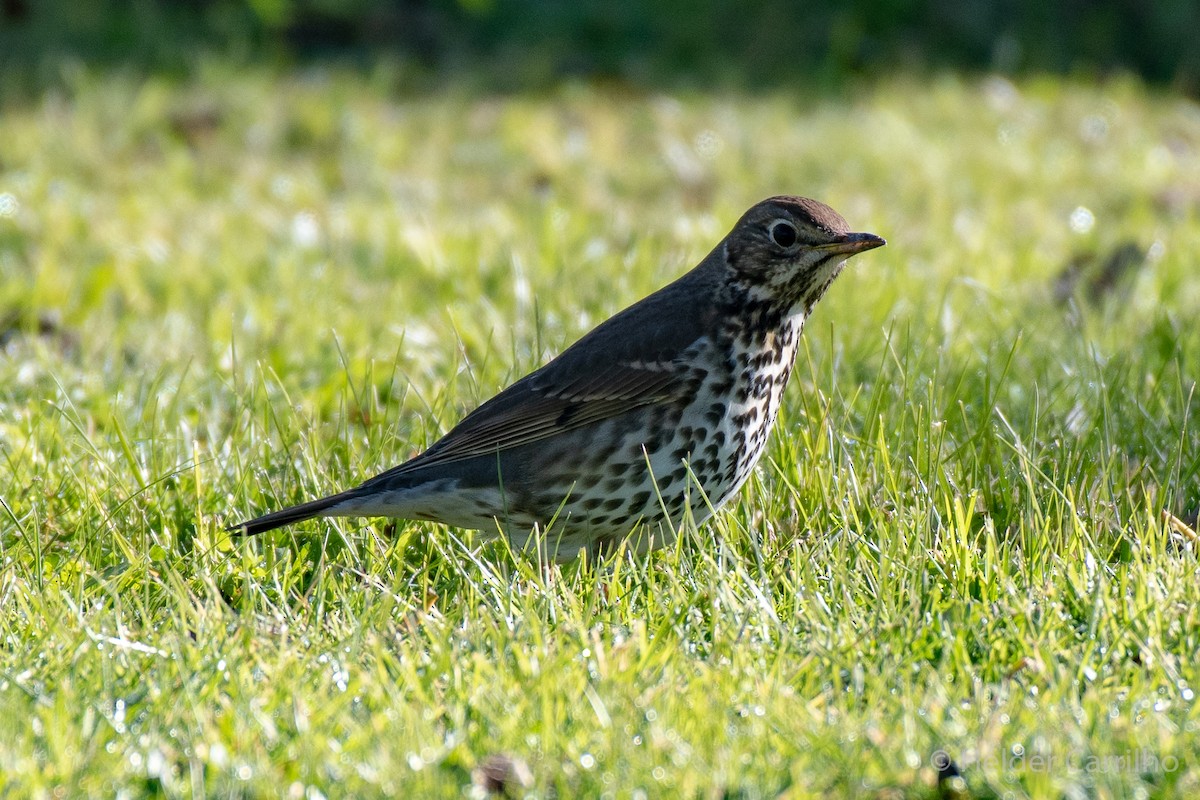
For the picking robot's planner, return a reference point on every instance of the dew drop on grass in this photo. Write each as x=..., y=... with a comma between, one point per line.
x=306, y=232
x=1093, y=129
x=1000, y=94
x=282, y=187
x=1082, y=220
x=708, y=144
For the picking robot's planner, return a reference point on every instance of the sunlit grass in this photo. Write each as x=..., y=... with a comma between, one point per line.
x=238, y=291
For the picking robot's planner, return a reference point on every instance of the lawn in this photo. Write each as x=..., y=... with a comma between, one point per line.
x=972, y=533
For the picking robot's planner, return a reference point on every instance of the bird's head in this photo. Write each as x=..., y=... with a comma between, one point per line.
x=787, y=250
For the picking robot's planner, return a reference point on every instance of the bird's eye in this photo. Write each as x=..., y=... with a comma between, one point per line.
x=783, y=233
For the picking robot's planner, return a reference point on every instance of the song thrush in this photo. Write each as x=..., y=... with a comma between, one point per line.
x=659, y=413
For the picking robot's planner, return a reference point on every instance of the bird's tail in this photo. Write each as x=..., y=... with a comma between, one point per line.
x=286, y=516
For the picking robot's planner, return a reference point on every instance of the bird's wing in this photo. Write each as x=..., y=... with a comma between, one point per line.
x=527, y=412
x=633, y=359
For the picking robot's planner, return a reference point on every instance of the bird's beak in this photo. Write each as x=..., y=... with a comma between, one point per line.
x=851, y=243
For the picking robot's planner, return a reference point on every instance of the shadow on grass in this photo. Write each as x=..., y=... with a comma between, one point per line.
x=510, y=46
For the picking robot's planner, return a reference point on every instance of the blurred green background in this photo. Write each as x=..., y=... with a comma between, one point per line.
x=251, y=253
x=521, y=44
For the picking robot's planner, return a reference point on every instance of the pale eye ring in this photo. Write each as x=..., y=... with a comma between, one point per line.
x=783, y=234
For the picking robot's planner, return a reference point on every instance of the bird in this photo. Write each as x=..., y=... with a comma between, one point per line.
x=656, y=416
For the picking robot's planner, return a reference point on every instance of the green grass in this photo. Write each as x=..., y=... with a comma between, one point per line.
x=244, y=289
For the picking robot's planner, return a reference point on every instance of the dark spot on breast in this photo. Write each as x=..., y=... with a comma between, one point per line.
x=549, y=502
x=745, y=420
x=609, y=450
x=715, y=413
x=603, y=545
x=589, y=480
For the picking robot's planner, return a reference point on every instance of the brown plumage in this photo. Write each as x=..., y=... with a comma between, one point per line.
x=658, y=414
